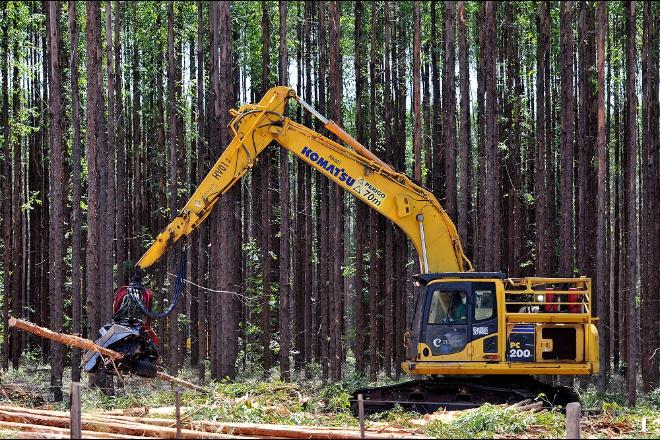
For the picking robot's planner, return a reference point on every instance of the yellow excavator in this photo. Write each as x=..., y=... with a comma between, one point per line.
x=474, y=337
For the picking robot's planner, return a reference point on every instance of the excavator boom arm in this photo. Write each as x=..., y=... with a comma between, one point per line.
x=414, y=209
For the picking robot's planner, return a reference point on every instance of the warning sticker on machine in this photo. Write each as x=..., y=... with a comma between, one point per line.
x=369, y=192
x=521, y=344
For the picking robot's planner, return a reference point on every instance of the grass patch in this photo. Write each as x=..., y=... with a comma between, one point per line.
x=489, y=421
x=309, y=402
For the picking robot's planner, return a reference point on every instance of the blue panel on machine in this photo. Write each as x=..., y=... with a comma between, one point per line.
x=522, y=343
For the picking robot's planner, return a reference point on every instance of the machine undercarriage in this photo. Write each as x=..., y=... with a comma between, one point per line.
x=426, y=396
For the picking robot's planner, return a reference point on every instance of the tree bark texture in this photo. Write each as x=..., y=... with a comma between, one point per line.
x=449, y=109
x=56, y=225
x=566, y=139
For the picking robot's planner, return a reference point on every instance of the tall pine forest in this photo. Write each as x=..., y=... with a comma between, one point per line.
x=535, y=124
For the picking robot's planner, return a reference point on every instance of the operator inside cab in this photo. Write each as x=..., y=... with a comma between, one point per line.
x=448, y=307
x=457, y=311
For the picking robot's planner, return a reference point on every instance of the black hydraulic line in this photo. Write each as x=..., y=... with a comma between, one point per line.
x=136, y=288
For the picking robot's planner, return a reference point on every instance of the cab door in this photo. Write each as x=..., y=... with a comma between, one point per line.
x=458, y=314
x=446, y=329
x=483, y=321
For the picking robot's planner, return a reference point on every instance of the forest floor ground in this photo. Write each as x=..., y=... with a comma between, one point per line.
x=310, y=403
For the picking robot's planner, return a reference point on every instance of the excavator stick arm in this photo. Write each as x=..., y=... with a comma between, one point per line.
x=239, y=156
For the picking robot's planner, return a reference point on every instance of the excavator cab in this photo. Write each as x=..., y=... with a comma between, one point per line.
x=455, y=319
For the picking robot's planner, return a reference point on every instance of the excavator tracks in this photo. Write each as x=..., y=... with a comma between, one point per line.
x=457, y=393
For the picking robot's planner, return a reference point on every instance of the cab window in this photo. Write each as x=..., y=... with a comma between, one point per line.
x=484, y=304
x=448, y=307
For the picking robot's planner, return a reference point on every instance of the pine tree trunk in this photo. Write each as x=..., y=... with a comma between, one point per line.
x=586, y=140
x=298, y=291
x=601, y=229
x=194, y=155
x=229, y=233
x=399, y=301
x=172, y=183
x=110, y=157
x=122, y=187
x=631, y=235
x=437, y=168
x=336, y=196
x=567, y=251
x=96, y=294
x=650, y=299
x=310, y=339
x=492, y=231
x=17, y=218
x=267, y=207
x=324, y=265
x=389, y=238
x=8, y=185
x=137, y=199
x=107, y=187
x=541, y=175
x=202, y=152
x=146, y=162
x=362, y=211
x=76, y=220
x=285, y=294
x=464, y=142
x=449, y=109
x=56, y=195
x=417, y=113
x=426, y=113
x=44, y=225
x=374, y=264
x=482, y=189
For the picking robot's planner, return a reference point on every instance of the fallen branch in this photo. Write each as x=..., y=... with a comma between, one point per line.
x=86, y=344
x=533, y=407
x=527, y=405
x=521, y=403
x=176, y=380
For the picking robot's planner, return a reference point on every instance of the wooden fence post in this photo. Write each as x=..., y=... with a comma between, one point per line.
x=177, y=399
x=361, y=414
x=75, y=416
x=573, y=413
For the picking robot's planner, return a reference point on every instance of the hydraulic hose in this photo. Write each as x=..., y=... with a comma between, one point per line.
x=136, y=287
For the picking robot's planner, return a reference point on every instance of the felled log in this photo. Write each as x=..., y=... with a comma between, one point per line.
x=89, y=423
x=29, y=430
x=64, y=339
x=86, y=344
x=268, y=430
x=218, y=428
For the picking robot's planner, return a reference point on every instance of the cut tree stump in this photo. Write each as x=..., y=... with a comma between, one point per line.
x=86, y=344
